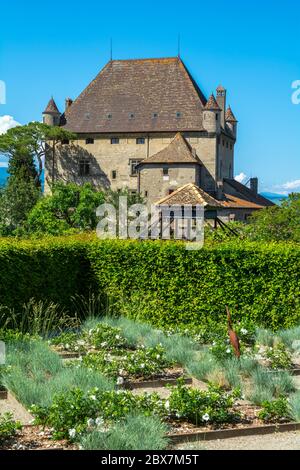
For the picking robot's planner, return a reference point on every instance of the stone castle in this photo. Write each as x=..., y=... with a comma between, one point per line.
x=145, y=125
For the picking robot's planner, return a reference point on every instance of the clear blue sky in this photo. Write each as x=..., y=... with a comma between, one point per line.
x=251, y=47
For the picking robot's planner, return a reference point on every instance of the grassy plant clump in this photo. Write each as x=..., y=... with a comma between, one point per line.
x=264, y=337
x=8, y=427
x=136, y=432
x=266, y=385
x=275, y=411
x=35, y=374
x=295, y=406
x=202, y=365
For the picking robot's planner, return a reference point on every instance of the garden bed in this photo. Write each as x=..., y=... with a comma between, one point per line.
x=35, y=438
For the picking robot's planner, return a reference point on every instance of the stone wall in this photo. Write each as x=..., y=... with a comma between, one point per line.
x=106, y=158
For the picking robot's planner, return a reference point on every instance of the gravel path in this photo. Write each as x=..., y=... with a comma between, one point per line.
x=276, y=441
x=11, y=405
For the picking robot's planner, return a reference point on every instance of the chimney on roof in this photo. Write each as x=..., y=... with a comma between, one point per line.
x=220, y=190
x=221, y=100
x=254, y=185
x=68, y=103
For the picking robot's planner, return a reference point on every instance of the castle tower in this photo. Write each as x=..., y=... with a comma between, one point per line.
x=51, y=115
x=231, y=121
x=211, y=116
x=221, y=100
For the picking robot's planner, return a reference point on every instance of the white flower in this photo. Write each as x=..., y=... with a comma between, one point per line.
x=91, y=332
x=167, y=405
x=90, y=422
x=81, y=342
x=142, y=366
x=99, y=422
x=120, y=381
x=244, y=331
x=67, y=346
x=158, y=356
x=205, y=417
x=76, y=348
x=228, y=350
x=103, y=344
x=72, y=433
x=93, y=397
x=118, y=337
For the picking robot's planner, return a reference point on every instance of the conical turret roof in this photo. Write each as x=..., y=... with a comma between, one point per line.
x=51, y=108
x=212, y=104
x=229, y=116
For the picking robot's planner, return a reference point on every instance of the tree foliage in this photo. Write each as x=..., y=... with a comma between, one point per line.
x=69, y=208
x=277, y=223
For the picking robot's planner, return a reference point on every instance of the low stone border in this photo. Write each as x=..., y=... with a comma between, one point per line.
x=234, y=432
x=70, y=355
x=3, y=393
x=156, y=383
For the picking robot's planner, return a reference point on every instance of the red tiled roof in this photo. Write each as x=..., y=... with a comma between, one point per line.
x=237, y=193
x=146, y=95
x=178, y=151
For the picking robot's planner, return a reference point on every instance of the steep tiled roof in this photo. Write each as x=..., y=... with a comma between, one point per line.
x=238, y=193
x=189, y=194
x=178, y=151
x=229, y=116
x=51, y=107
x=138, y=96
x=212, y=104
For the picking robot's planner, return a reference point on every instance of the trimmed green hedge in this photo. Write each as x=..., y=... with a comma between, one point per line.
x=51, y=269
x=161, y=282
x=168, y=285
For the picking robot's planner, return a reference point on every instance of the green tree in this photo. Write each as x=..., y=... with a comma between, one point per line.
x=23, y=144
x=69, y=208
x=279, y=223
x=16, y=201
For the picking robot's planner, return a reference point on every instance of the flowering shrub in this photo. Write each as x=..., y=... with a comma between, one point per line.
x=222, y=349
x=279, y=357
x=101, y=337
x=144, y=362
x=202, y=407
x=8, y=427
x=74, y=412
x=106, y=337
x=274, y=411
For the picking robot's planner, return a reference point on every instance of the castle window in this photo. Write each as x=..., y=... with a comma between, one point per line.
x=84, y=167
x=133, y=167
x=140, y=140
x=131, y=116
x=230, y=146
x=114, y=174
x=227, y=145
x=65, y=142
x=223, y=143
x=109, y=116
x=155, y=115
x=217, y=117
x=114, y=140
x=166, y=171
x=146, y=193
x=89, y=140
x=87, y=116
x=178, y=115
